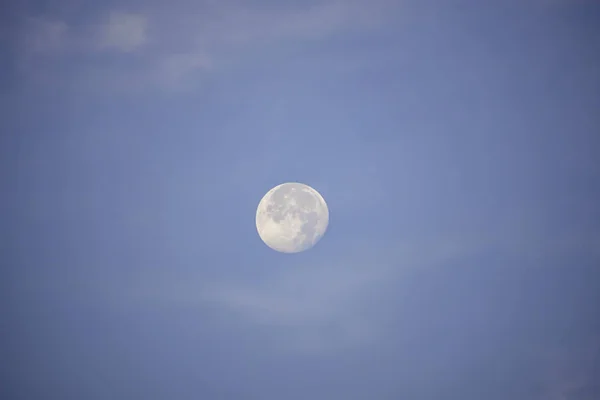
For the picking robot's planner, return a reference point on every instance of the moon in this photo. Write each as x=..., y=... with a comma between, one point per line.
x=292, y=217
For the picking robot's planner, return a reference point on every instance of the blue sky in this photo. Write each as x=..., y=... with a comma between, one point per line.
x=456, y=144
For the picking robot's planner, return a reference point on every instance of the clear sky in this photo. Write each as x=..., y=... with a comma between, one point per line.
x=457, y=145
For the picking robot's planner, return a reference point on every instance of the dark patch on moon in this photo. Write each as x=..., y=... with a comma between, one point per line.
x=310, y=227
x=279, y=202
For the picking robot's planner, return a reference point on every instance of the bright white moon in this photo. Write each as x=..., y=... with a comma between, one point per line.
x=292, y=217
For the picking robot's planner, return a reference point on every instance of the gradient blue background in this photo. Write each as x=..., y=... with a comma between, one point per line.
x=456, y=143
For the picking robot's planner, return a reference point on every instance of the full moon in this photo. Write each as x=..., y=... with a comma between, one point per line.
x=292, y=217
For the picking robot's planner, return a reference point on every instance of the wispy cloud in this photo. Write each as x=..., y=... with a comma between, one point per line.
x=44, y=36
x=306, y=303
x=337, y=304
x=569, y=370
x=310, y=309
x=183, y=40
x=319, y=306
x=123, y=31
x=174, y=69
x=180, y=43
x=246, y=25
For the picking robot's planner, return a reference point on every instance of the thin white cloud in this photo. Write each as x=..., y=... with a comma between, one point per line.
x=568, y=369
x=43, y=36
x=329, y=305
x=178, y=45
x=182, y=40
x=173, y=70
x=311, y=308
x=246, y=25
x=325, y=306
x=124, y=32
